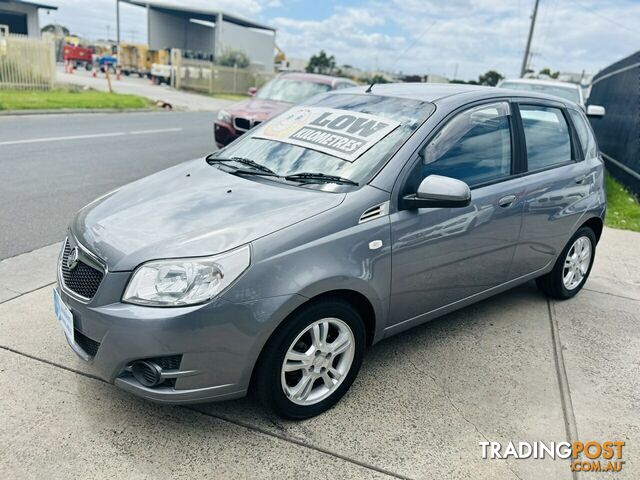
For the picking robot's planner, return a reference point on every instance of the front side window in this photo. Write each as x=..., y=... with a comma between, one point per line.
x=587, y=142
x=546, y=135
x=474, y=147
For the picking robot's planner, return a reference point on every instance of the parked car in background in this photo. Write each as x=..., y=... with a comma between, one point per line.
x=273, y=98
x=564, y=90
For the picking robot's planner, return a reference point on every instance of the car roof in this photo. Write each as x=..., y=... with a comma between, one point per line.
x=315, y=78
x=537, y=81
x=454, y=93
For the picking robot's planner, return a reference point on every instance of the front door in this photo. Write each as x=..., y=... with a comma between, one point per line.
x=443, y=255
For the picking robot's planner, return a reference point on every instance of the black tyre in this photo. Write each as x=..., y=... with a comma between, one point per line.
x=312, y=360
x=572, y=267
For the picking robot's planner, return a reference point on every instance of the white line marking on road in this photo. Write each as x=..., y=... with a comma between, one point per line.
x=159, y=130
x=93, y=135
x=59, y=139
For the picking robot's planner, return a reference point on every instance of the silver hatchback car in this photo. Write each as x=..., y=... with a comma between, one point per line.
x=272, y=264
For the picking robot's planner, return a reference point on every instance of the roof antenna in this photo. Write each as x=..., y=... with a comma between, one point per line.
x=368, y=90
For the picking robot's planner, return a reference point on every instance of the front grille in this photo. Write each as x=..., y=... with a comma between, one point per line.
x=242, y=123
x=83, y=279
x=88, y=345
x=168, y=363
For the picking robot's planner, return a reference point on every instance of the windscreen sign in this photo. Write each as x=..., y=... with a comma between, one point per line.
x=341, y=133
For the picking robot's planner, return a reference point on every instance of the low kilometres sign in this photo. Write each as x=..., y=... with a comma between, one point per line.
x=342, y=133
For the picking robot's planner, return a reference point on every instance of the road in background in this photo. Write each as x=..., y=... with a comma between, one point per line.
x=142, y=86
x=52, y=165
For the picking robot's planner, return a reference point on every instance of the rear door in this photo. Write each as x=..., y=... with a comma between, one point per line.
x=558, y=183
x=443, y=255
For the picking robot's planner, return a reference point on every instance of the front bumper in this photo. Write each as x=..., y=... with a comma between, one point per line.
x=219, y=342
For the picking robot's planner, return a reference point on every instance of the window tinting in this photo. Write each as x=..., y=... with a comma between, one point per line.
x=546, y=135
x=587, y=141
x=474, y=147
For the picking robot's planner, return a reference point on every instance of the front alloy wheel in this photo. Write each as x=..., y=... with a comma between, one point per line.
x=311, y=360
x=317, y=361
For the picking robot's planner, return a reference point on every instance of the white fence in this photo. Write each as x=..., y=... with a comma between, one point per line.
x=207, y=77
x=25, y=63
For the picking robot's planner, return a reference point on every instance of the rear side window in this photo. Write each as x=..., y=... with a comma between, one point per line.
x=475, y=146
x=587, y=142
x=546, y=134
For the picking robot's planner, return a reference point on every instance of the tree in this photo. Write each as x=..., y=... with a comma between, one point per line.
x=55, y=28
x=233, y=58
x=491, y=78
x=374, y=79
x=547, y=71
x=321, y=63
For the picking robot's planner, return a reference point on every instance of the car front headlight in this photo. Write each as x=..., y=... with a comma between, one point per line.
x=224, y=116
x=185, y=281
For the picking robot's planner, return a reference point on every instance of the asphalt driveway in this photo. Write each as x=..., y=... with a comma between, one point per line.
x=513, y=368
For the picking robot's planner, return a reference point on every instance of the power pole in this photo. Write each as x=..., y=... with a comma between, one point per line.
x=525, y=60
x=118, y=22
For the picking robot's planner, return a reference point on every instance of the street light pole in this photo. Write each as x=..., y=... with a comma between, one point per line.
x=525, y=59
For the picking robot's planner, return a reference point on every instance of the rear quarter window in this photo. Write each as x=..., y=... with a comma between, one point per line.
x=585, y=135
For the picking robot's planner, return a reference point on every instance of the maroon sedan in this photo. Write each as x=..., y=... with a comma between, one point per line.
x=274, y=97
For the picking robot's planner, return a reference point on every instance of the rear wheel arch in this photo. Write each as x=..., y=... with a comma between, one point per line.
x=596, y=224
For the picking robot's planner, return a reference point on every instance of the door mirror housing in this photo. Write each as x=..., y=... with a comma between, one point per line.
x=436, y=191
x=596, y=111
x=252, y=91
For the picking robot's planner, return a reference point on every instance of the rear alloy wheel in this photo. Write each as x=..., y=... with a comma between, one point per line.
x=312, y=360
x=572, y=267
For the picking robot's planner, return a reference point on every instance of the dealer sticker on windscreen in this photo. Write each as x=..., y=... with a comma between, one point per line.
x=341, y=133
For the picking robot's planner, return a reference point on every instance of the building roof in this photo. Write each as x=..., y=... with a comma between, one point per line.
x=163, y=5
x=33, y=4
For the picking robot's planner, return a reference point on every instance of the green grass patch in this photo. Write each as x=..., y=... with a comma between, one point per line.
x=66, y=98
x=235, y=97
x=623, y=208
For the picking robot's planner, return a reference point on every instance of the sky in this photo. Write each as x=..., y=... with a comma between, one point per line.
x=464, y=38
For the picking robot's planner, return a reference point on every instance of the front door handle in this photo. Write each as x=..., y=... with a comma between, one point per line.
x=506, y=202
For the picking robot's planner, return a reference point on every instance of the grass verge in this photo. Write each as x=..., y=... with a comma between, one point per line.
x=65, y=98
x=623, y=208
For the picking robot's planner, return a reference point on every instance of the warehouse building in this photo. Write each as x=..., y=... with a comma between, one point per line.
x=207, y=32
x=21, y=17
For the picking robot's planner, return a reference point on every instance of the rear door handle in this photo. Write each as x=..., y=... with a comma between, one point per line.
x=506, y=202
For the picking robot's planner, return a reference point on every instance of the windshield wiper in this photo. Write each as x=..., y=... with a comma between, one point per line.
x=320, y=177
x=258, y=169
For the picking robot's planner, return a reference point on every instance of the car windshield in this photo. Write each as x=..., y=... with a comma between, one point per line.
x=292, y=91
x=566, y=93
x=286, y=159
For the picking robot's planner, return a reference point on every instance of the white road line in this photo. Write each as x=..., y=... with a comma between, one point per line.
x=93, y=135
x=59, y=139
x=160, y=130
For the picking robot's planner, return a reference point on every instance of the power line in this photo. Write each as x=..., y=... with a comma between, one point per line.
x=597, y=14
x=399, y=57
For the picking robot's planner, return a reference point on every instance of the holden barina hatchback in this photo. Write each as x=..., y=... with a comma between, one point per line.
x=272, y=264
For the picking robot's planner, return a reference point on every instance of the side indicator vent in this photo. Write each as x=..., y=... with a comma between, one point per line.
x=372, y=213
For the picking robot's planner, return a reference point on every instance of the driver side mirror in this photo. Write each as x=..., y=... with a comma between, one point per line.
x=436, y=191
x=252, y=91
